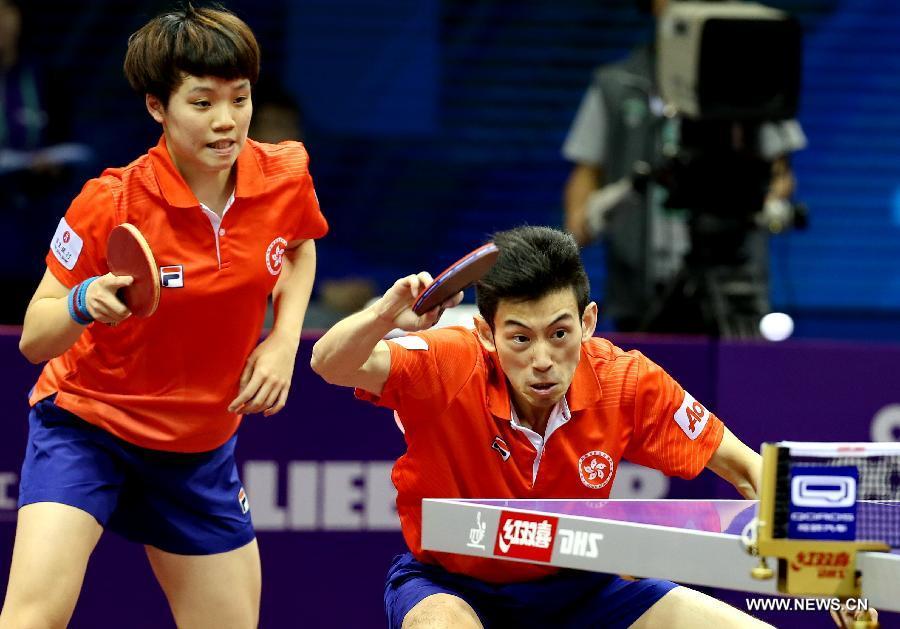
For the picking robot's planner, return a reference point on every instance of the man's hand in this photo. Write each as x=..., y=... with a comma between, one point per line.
x=266, y=379
x=395, y=306
x=847, y=619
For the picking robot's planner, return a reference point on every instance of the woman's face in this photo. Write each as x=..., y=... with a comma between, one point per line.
x=205, y=123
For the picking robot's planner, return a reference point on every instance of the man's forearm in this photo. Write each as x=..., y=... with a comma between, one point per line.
x=349, y=343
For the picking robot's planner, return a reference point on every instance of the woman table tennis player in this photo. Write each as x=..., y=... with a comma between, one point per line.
x=133, y=421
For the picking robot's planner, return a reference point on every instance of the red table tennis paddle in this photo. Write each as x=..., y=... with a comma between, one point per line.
x=127, y=253
x=458, y=276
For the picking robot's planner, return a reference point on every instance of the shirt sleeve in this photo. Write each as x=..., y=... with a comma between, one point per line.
x=78, y=248
x=586, y=141
x=673, y=432
x=428, y=369
x=311, y=222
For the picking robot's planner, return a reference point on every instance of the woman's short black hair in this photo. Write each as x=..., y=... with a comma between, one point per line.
x=196, y=41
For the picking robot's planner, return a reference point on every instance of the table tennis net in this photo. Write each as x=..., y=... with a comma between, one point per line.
x=877, y=485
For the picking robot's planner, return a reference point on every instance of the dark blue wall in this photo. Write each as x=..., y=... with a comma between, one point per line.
x=432, y=123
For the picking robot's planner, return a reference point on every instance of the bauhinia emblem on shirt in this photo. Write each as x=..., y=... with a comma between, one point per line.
x=275, y=255
x=596, y=469
x=691, y=416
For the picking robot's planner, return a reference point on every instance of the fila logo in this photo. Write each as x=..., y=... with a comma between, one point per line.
x=691, y=416
x=171, y=276
x=243, y=501
x=500, y=446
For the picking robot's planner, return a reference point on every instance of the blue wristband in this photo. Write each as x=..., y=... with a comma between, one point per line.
x=81, y=304
x=70, y=300
x=78, y=309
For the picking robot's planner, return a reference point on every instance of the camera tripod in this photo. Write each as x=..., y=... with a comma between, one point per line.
x=721, y=290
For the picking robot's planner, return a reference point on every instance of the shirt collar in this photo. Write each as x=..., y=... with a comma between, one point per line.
x=561, y=408
x=583, y=393
x=177, y=193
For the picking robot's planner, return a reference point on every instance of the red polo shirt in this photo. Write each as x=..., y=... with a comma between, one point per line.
x=165, y=382
x=451, y=397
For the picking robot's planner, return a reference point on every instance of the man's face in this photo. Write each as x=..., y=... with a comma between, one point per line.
x=205, y=123
x=539, y=345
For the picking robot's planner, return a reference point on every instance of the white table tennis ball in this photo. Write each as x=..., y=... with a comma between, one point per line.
x=776, y=326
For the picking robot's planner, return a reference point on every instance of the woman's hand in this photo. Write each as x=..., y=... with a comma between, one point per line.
x=102, y=302
x=266, y=379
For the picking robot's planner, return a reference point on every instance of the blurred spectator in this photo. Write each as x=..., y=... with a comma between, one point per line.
x=32, y=169
x=278, y=117
x=619, y=137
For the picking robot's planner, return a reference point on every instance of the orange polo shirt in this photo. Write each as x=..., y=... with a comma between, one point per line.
x=165, y=382
x=452, y=400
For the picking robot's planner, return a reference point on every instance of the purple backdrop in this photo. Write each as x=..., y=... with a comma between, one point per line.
x=318, y=473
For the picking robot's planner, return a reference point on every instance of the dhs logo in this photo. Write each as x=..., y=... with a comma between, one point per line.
x=579, y=543
x=823, y=491
x=525, y=536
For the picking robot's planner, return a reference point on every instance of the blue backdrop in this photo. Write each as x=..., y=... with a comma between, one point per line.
x=432, y=123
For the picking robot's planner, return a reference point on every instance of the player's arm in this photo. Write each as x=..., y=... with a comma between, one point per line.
x=266, y=379
x=49, y=329
x=290, y=296
x=353, y=354
x=738, y=464
x=583, y=181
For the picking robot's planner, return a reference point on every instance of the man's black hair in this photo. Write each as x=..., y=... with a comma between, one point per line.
x=533, y=262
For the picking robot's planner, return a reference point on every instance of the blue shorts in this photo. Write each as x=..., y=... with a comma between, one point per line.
x=570, y=598
x=188, y=504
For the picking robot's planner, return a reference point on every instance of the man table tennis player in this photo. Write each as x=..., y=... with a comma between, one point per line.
x=527, y=405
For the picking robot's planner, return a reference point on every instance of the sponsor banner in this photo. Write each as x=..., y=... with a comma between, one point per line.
x=525, y=536
x=578, y=543
x=823, y=502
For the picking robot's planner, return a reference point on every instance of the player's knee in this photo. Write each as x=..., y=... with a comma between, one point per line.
x=236, y=613
x=31, y=616
x=683, y=607
x=439, y=611
x=200, y=618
